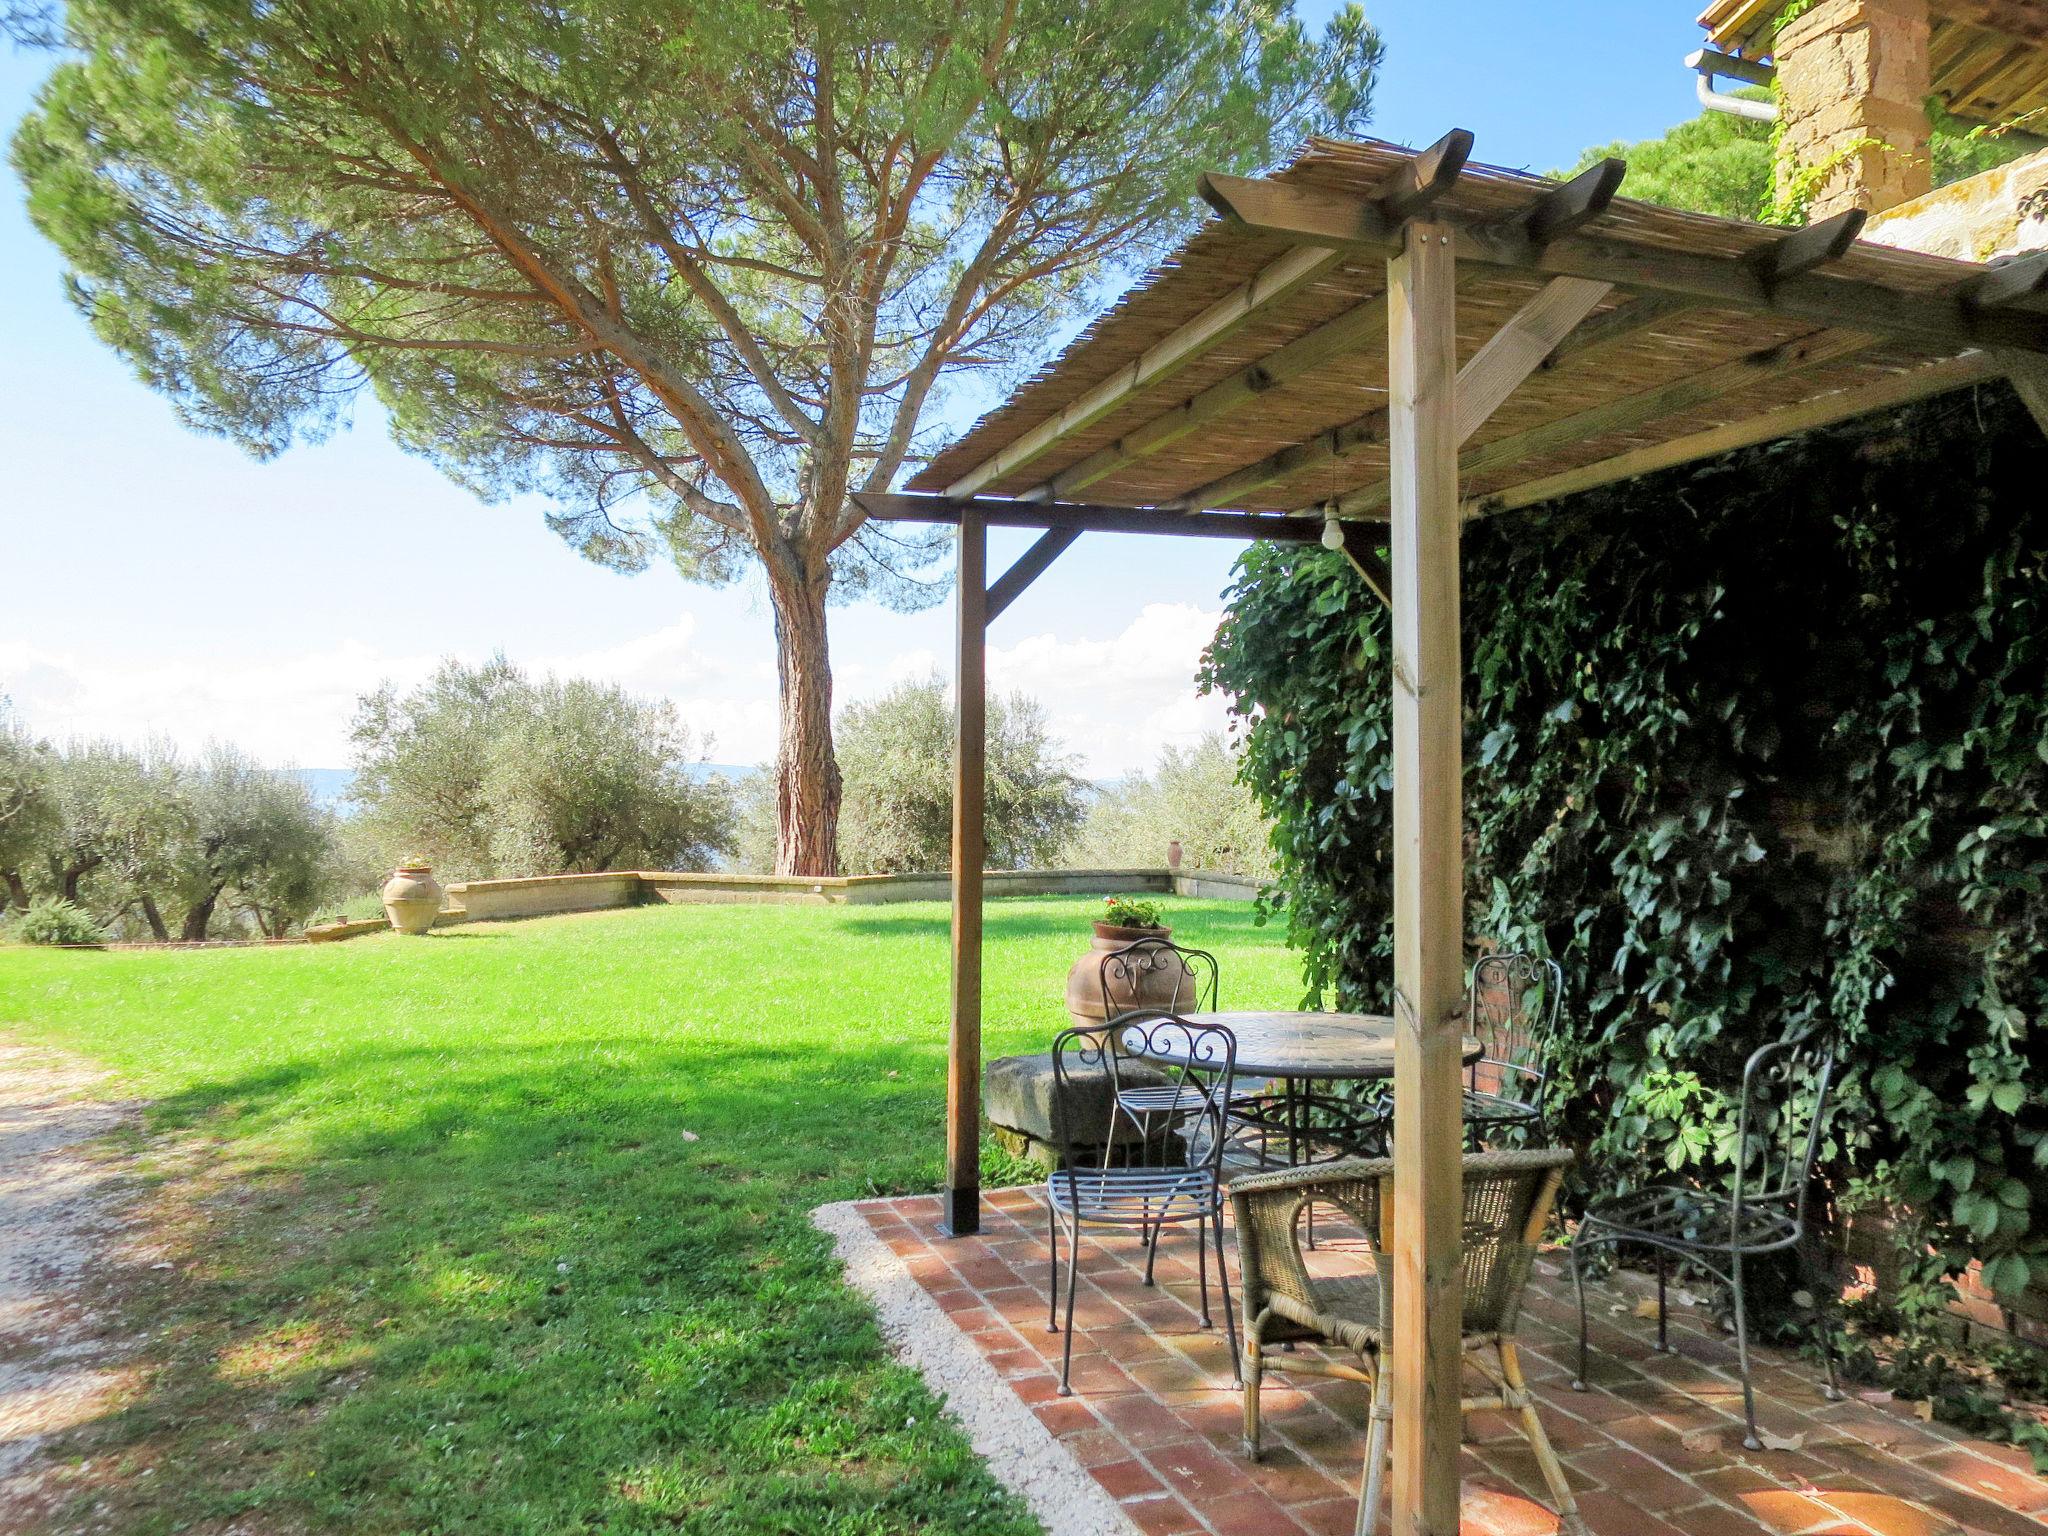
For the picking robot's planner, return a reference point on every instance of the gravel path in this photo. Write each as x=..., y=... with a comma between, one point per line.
x=62, y=1222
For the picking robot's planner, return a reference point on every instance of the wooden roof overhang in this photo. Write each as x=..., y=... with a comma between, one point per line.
x=1598, y=339
x=1988, y=59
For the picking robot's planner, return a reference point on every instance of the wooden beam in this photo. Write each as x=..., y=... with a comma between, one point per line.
x=1276, y=281
x=1425, y=1360
x=1900, y=389
x=1683, y=394
x=1616, y=326
x=1285, y=463
x=1361, y=546
x=1357, y=328
x=1805, y=249
x=1730, y=282
x=1426, y=177
x=2029, y=376
x=2011, y=282
x=1080, y=517
x=1518, y=348
x=962, y=1203
x=1577, y=203
x=1008, y=587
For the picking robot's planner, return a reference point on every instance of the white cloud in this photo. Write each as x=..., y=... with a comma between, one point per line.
x=1115, y=701
x=282, y=707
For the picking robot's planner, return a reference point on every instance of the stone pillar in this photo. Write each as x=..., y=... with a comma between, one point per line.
x=1853, y=81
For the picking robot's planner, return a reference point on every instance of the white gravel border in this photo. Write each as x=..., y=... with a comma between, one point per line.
x=1019, y=1450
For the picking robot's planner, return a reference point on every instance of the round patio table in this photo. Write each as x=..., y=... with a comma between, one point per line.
x=1306, y=1052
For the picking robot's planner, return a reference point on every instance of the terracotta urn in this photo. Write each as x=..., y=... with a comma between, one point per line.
x=412, y=898
x=1155, y=981
x=1173, y=855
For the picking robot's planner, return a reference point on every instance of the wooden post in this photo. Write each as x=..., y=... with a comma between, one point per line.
x=962, y=1216
x=1429, y=950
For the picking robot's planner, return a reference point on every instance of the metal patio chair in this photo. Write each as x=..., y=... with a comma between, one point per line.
x=1150, y=977
x=1512, y=1011
x=1179, y=1183
x=1508, y=1198
x=1763, y=1210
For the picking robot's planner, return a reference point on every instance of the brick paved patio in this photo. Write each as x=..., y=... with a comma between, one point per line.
x=1654, y=1448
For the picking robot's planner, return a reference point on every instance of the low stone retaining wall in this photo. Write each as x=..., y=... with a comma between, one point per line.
x=545, y=895
x=473, y=901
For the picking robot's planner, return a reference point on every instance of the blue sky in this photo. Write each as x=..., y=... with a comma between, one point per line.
x=159, y=582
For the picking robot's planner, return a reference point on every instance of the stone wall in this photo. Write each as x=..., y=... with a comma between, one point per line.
x=546, y=895
x=484, y=900
x=2001, y=212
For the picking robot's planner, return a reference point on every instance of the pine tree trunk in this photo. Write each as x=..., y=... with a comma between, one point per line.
x=806, y=767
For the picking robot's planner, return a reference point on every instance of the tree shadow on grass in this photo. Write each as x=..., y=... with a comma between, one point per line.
x=541, y=1288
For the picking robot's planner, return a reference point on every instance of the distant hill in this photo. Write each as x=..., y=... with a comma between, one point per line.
x=329, y=786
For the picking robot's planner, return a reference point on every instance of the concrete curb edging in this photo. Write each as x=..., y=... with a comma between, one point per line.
x=1019, y=1450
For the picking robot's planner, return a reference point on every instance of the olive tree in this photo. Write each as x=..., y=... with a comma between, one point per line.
x=254, y=841
x=1192, y=795
x=898, y=753
x=693, y=270
x=28, y=809
x=489, y=772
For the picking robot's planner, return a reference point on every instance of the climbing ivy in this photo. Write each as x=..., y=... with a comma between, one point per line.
x=1751, y=745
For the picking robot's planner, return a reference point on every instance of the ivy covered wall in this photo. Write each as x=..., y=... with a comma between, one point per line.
x=1748, y=745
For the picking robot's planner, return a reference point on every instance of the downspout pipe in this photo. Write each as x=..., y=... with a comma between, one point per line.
x=1709, y=63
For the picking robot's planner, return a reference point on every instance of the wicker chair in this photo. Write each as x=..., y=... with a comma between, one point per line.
x=1508, y=1199
x=1173, y=1176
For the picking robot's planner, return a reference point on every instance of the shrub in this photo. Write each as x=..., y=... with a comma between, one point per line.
x=53, y=920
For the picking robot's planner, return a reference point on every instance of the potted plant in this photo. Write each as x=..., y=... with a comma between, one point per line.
x=412, y=897
x=1125, y=920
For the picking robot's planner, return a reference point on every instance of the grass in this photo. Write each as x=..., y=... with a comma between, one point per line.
x=451, y=1261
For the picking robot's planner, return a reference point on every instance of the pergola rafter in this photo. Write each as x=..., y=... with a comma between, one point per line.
x=1540, y=339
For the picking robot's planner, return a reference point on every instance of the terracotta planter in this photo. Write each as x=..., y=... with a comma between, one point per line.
x=1155, y=985
x=1173, y=855
x=412, y=898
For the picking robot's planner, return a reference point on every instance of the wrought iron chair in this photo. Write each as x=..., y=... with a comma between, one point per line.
x=1513, y=1007
x=1508, y=1199
x=1149, y=1195
x=1763, y=1210
x=1151, y=977
x=1160, y=976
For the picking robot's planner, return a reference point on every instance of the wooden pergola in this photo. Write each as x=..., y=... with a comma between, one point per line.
x=1368, y=349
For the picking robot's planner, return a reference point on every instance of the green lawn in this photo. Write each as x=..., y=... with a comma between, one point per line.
x=455, y=1267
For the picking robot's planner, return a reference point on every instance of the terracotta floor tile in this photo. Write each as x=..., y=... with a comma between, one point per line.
x=1788, y=1513
x=1887, y=1514
x=1124, y=1479
x=1248, y=1512
x=1487, y=1510
x=1167, y=1516
x=1988, y=1479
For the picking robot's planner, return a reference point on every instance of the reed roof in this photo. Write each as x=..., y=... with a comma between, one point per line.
x=1227, y=370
